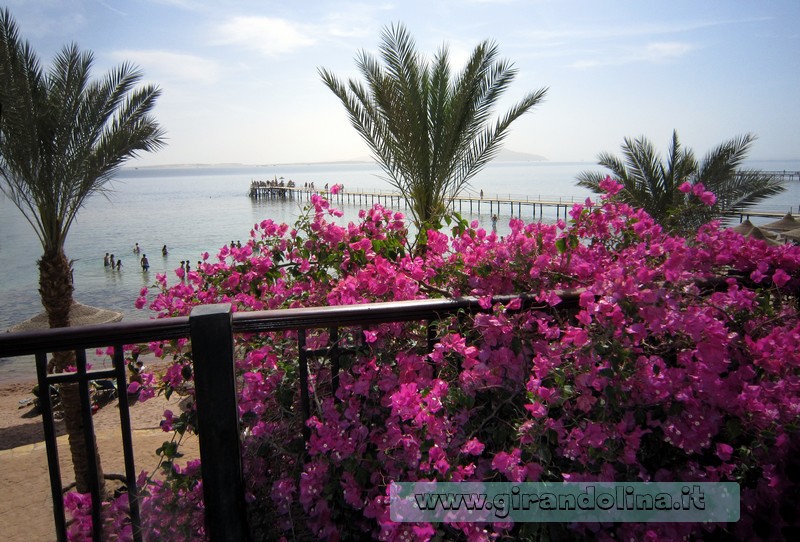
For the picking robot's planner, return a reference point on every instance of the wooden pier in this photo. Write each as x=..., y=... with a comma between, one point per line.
x=783, y=175
x=493, y=204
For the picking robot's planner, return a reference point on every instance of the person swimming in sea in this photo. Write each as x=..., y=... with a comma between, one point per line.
x=145, y=262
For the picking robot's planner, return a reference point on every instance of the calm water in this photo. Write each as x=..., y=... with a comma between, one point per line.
x=193, y=210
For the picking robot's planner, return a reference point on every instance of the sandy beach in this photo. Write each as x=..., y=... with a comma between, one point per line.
x=25, y=503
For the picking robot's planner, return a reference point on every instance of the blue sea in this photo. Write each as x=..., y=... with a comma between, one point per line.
x=198, y=209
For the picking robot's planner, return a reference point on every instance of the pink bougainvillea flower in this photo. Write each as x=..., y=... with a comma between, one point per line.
x=473, y=447
x=644, y=372
x=708, y=198
x=724, y=451
x=610, y=186
x=780, y=278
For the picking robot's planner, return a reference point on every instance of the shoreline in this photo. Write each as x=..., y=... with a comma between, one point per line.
x=17, y=411
x=26, y=511
x=12, y=372
x=166, y=213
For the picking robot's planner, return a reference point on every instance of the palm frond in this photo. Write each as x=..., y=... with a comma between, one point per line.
x=429, y=132
x=654, y=186
x=62, y=135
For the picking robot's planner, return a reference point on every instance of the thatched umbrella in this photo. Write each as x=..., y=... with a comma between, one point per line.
x=744, y=228
x=794, y=235
x=79, y=315
x=747, y=228
x=786, y=223
x=769, y=238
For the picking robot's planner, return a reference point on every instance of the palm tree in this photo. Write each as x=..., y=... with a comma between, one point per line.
x=62, y=138
x=656, y=187
x=430, y=132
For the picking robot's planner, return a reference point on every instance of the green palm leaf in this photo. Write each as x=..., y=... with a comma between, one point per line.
x=429, y=131
x=63, y=136
x=653, y=185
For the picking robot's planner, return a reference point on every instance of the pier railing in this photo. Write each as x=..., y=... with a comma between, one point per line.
x=211, y=329
x=510, y=204
x=537, y=206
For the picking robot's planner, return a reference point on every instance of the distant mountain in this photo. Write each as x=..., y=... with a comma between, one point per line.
x=189, y=166
x=506, y=155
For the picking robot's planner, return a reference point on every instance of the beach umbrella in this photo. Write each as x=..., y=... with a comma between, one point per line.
x=744, y=228
x=786, y=223
x=794, y=234
x=747, y=228
x=79, y=315
x=758, y=233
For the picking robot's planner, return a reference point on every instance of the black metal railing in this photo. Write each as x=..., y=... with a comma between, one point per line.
x=211, y=329
x=79, y=340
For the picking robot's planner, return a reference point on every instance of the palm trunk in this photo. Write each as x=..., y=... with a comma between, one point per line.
x=55, y=288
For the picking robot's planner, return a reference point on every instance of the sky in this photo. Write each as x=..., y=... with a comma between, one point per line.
x=240, y=79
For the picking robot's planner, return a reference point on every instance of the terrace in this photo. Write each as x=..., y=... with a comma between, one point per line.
x=211, y=329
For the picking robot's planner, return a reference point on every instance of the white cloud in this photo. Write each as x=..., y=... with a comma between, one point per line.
x=111, y=8
x=538, y=36
x=47, y=18
x=666, y=50
x=267, y=35
x=501, y=2
x=189, y=5
x=651, y=53
x=355, y=20
x=347, y=26
x=171, y=66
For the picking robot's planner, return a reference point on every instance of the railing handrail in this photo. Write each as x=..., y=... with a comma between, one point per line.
x=93, y=336
x=22, y=343
x=211, y=329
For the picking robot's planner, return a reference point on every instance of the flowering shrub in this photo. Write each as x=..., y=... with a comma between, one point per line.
x=681, y=363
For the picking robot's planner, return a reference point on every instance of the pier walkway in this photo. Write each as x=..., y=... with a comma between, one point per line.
x=494, y=204
x=783, y=175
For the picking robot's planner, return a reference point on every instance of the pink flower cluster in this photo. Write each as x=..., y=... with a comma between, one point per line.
x=680, y=363
x=700, y=192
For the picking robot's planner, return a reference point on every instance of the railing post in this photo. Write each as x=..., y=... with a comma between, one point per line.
x=302, y=369
x=51, y=447
x=218, y=423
